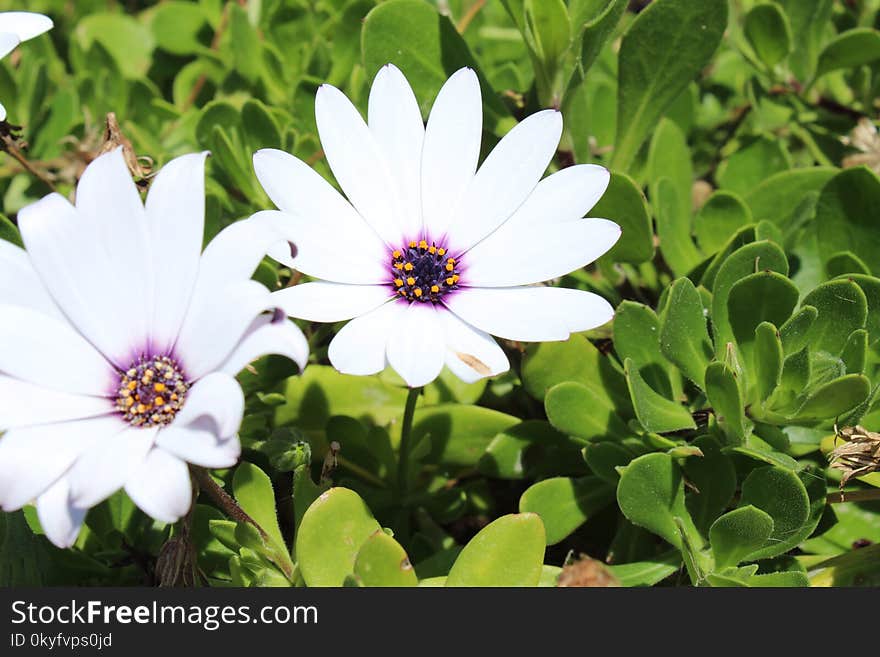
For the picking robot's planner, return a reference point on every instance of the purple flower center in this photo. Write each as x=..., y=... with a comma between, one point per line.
x=423, y=271
x=151, y=391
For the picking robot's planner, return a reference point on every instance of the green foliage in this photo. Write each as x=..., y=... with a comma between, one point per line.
x=685, y=441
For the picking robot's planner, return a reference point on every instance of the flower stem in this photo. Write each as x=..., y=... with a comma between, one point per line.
x=223, y=499
x=853, y=496
x=406, y=441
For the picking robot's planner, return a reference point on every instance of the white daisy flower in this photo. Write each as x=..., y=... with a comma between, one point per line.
x=430, y=256
x=120, y=341
x=18, y=26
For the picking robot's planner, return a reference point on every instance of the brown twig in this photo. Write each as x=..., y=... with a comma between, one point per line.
x=10, y=146
x=215, y=45
x=854, y=496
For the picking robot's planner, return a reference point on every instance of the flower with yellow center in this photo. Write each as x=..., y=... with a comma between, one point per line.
x=120, y=341
x=471, y=241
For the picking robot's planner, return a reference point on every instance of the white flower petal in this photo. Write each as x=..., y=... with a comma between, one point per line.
x=2, y=112
x=451, y=149
x=216, y=324
x=106, y=466
x=506, y=178
x=8, y=42
x=75, y=266
x=563, y=196
x=233, y=255
x=47, y=352
x=113, y=217
x=161, y=486
x=330, y=302
x=175, y=210
x=471, y=354
x=396, y=122
x=216, y=399
x=268, y=336
x=200, y=446
x=24, y=404
x=33, y=458
x=323, y=252
x=535, y=254
x=20, y=284
x=59, y=518
x=357, y=162
x=530, y=314
x=299, y=190
x=417, y=346
x=359, y=347
x=24, y=24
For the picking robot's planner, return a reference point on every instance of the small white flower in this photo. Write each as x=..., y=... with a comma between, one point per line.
x=430, y=256
x=18, y=26
x=120, y=340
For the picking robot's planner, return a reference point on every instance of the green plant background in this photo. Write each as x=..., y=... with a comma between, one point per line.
x=683, y=444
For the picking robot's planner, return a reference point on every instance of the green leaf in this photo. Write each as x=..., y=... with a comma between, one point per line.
x=564, y=504
x=724, y=394
x=768, y=32
x=665, y=48
x=9, y=232
x=604, y=458
x=655, y=412
x=381, y=561
x=795, y=332
x=753, y=163
x=850, y=49
x=713, y=482
x=855, y=352
x=870, y=286
x=737, y=534
x=809, y=21
x=768, y=358
x=458, y=434
x=777, y=198
x=780, y=494
x=845, y=262
x=763, y=297
x=624, y=203
x=637, y=338
x=253, y=491
x=260, y=129
x=845, y=216
x=573, y=409
x=723, y=214
x=247, y=56
x=599, y=19
x=330, y=536
x=684, y=337
x=743, y=262
x=577, y=359
x=509, y=551
x=129, y=42
x=647, y=573
x=425, y=46
x=834, y=398
x=651, y=495
x=842, y=308
x=176, y=25
x=548, y=31
x=517, y=452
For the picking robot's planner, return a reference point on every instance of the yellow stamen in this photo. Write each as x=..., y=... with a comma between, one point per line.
x=398, y=265
x=423, y=244
x=408, y=266
x=398, y=282
x=141, y=408
x=132, y=385
x=418, y=291
x=395, y=254
x=450, y=281
x=402, y=291
x=413, y=244
x=432, y=249
x=159, y=387
x=158, y=401
x=435, y=289
x=129, y=401
x=450, y=267
x=441, y=252
x=410, y=281
x=455, y=278
x=451, y=261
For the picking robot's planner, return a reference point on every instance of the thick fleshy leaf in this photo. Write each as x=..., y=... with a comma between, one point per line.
x=737, y=534
x=684, y=336
x=575, y=410
x=723, y=391
x=509, y=551
x=331, y=534
x=654, y=411
x=381, y=561
x=564, y=504
x=842, y=308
